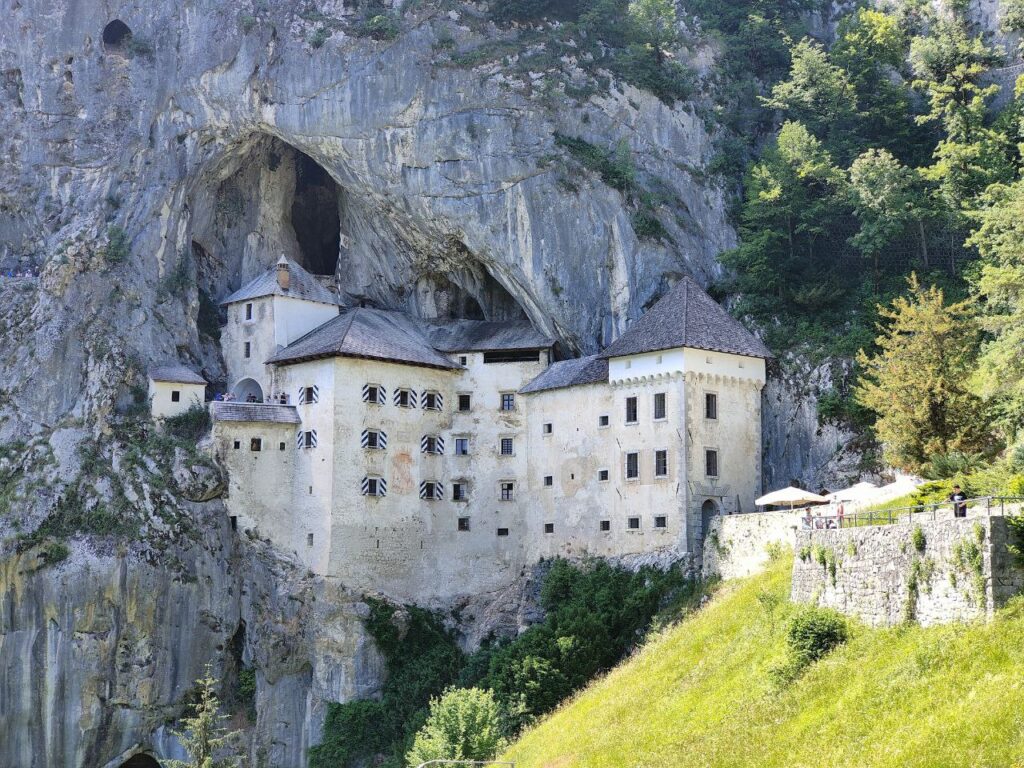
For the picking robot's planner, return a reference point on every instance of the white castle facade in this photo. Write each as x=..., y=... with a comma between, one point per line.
x=431, y=459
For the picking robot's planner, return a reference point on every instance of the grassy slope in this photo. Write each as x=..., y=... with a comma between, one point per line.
x=699, y=695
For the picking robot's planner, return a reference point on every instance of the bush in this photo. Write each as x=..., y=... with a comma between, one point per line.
x=381, y=26
x=463, y=724
x=319, y=37
x=117, y=245
x=813, y=632
x=647, y=226
x=918, y=539
x=191, y=425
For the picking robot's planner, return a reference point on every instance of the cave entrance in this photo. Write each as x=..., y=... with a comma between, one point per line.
x=115, y=35
x=316, y=217
x=141, y=761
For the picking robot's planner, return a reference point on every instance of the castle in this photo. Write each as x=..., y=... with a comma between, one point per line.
x=427, y=459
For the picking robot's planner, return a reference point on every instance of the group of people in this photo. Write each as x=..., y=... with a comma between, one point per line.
x=229, y=397
x=16, y=272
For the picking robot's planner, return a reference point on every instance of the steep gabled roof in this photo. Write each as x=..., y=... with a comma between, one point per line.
x=687, y=317
x=570, y=373
x=175, y=373
x=368, y=333
x=301, y=285
x=483, y=336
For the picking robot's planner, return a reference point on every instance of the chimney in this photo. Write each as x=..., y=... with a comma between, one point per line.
x=283, y=278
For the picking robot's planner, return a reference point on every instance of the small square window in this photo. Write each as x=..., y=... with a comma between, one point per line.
x=463, y=360
x=602, y=421
x=465, y=402
x=463, y=524
x=631, y=410
x=508, y=401
x=237, y=444
x=711, y=463
x=632, y=466
x=659, y=405
x=602, y=475
x=248, y=311
x=431, y=401
x=508, y=489
x=256, y=444
x=403, y=398
x=462, y=446
x=633, y=523
x=549, y=527
x=309, y=539
x=374, y=486
x=547, y=428
x=506, y=446
x=280, y=446
x=503, y=531
x=175, y=396
x=660, y=521
x=372, y=439
x=373, y=394
x=428, y=490
x=548, y=481
x=309, y=395
x=710, y=405
x=248, y=349
x=460, y=491
x=606, y=525
x=431, y=444
x=661, y=463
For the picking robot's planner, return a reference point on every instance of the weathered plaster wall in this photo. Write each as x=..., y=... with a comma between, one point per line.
x=162, y=404
x=962, y=572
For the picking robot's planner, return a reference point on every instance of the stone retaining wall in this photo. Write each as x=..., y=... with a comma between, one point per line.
x=930, y=572
x=737, y=545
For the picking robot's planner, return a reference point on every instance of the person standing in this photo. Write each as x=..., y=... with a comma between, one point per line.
x=959, y=499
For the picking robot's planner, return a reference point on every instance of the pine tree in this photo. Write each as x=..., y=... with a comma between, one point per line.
x=917, y=383
x=207, y=742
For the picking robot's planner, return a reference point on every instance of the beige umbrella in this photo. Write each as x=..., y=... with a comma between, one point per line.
x=791, y=496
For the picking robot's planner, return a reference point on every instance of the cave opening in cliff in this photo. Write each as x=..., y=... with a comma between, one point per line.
x=140, y=761
x=315, y=216
x=115, y=35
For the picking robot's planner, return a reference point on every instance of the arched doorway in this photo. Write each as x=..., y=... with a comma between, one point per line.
x=248, y=391
x=115, y=35
x=708, y=510
x=141, y=761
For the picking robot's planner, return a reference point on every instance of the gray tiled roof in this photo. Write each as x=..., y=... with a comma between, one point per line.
x=301, y=285
x=280, y=414
x=687, y=317
x=175, y=373
x=483, y=336
x=369, y=333
x=570, y=373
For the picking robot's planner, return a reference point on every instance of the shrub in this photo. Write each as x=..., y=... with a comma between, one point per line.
x=381, y=26
x=463, y=724
x=918, y=539
x=319, y=37
x=191, y=425
x=1015, y=524
x=813, y=632
x=647, y=226
x=53, y=552
x=246, y=22
x=117, y=245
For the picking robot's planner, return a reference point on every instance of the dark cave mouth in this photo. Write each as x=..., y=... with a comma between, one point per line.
x=316, y=215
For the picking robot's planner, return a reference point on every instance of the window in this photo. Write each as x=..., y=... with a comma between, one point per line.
x=710, y=405
x=465, y=402
x=503, y=531
x=711, y=463
x=460, y=490
x=374, y=439
x=248, y=349
x=631, y=411
x=432, y=401
x=432, y=444
x=306, y=439
x=462, y=446
x=549, y=527
x=463, y=360
x=506, y=446
x=175, y=396
x=309, y=395
x=632, y=466
x=659, y=405
x=633, y=523
x=512, y=356
x=237, y=444
x=606, y=525
x=256, y=444
x=234, y=522
x=508, y=401
x=373, y=393
x=508, y=489
x=548, y=481
x=463, y=524
x=248, y=311
x=431, y=490
x=661, y=463
x=405, y=398
x=602, y=475
x=546, y=428
x=374, y=486
x=309, y=539
x=602, y=421
x=660, y=521
x=280, y=446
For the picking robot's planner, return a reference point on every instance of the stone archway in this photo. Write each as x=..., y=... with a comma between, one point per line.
x=141, y=760
x=708, y=510
x=246, y=389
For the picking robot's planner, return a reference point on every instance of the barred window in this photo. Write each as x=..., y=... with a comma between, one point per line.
x=508, y=489
x=465, y=402
x=506, y=446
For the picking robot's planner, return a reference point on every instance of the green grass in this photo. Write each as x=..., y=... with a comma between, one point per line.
x=700, y=694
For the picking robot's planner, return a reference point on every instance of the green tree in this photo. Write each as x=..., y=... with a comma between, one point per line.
x=208, y=743
x=463, y=724
x=656, y=22
x=917, y=382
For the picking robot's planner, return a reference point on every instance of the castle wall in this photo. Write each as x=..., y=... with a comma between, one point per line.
x=294, y=318
x=162, y=403
x=258, y=333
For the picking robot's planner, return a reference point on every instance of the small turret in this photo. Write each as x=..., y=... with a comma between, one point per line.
x=283, y=277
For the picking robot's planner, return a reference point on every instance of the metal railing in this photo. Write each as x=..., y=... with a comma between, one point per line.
x=987, y=505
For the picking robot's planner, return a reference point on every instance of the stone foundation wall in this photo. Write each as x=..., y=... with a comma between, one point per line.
x=737, y=545
x=929, y=572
